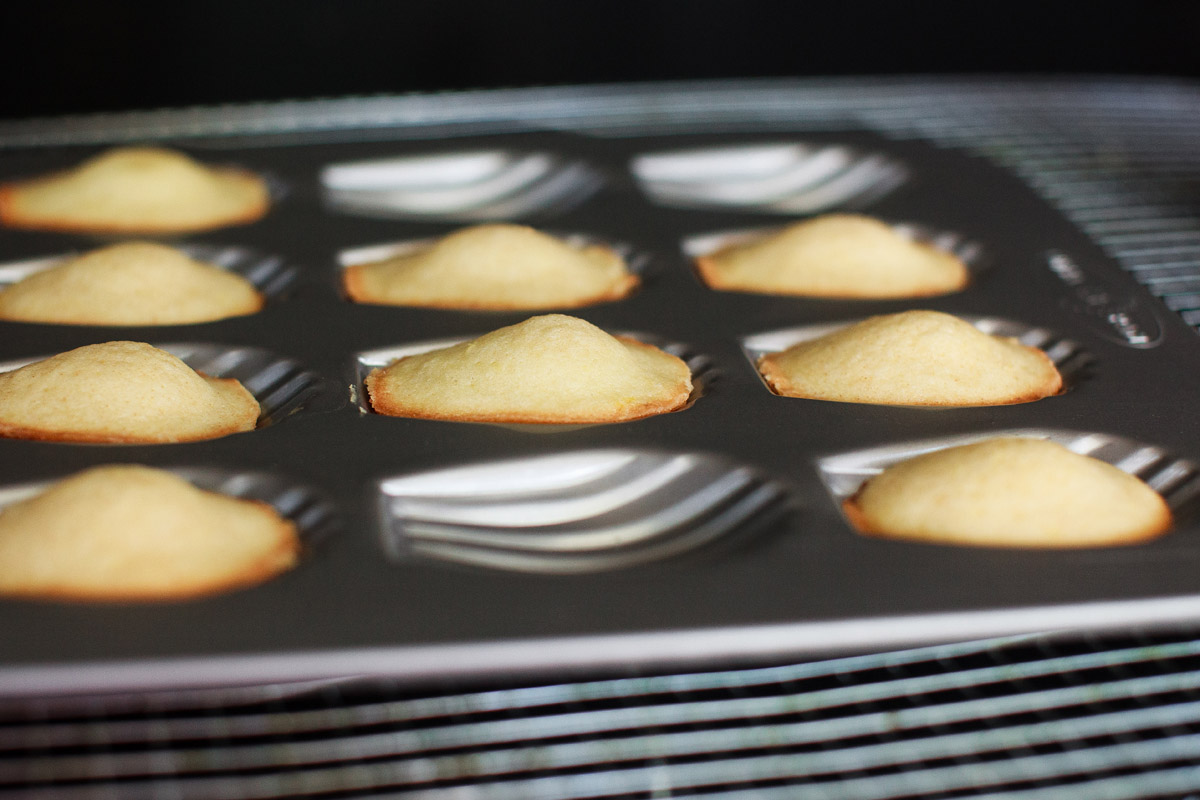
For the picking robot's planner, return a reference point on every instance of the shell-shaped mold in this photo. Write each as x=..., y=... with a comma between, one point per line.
x=282, y=386
x=313, y=512
x=1073, y=362
x=270, y=274
x=778, y=178
x=469, y=185
x=1175, y=478
x=581, y=512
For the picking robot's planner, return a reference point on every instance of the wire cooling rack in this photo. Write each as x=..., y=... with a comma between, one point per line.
x=1029, y=717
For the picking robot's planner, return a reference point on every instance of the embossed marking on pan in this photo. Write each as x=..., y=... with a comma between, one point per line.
x=472, y=185
x=589, y=511
x=780, y=178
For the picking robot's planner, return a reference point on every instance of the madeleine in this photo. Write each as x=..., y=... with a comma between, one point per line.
x=121, y=392
x=1009, y=492
x=914, y=358
x=134, y=283
x=494, y=267
x=130, y=533
x=135, y=190
x=835, y=256
x=547, y=369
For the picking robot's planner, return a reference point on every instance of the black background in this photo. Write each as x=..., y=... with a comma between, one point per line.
x=81, y=56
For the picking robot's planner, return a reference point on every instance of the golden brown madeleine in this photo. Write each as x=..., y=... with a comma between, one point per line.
x=494, y=267
x=836, y=256
x=135, y=190
x=914, y=358
x=1009, y=492
x=130, y=533
x=547, y=369
x=133, y=283
x=121, y=392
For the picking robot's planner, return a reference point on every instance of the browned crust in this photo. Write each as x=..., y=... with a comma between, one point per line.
x=710, y=274
x=352, y=284
x=864, y=525
x=706, y=268
x=858, y=520
x=11, y=215
x=8, y=212
x=356, y=290
x=9, y=431
x=779, y=384
x=278, y=560
x=383, y=403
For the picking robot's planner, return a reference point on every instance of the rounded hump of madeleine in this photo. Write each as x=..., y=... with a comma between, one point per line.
x=133, y=283
x=128, y=533
x=121, y=392
x=547, y=369
x=1009, y=492
x=494, y=267
x=836, y=256
x=916, y=358
x=135, y=190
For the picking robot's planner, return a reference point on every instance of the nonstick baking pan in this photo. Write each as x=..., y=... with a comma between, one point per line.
x=706, y=535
